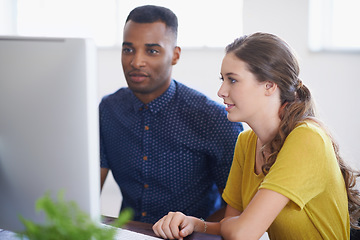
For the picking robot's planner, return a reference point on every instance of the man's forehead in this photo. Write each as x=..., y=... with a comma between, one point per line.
x=147, y=27
x=148, y=33
x=130, y=44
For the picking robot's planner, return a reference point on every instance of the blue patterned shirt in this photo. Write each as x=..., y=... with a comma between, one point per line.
x=168, y=155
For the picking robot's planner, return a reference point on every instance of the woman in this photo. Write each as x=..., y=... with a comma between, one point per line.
x=287, y=177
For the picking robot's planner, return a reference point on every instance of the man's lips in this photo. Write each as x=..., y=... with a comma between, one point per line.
x=138, y=76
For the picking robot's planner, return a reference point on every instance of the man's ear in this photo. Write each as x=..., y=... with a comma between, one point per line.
x=176, y=55
x=270, y=88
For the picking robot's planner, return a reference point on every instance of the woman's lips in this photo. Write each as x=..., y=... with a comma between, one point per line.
x=229, y=106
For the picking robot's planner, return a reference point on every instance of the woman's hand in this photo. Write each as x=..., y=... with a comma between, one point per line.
x=175, y=225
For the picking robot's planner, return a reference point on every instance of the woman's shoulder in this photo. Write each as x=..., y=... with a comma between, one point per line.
x=309, y=132
x=247, y=134
x=247, y=138
x=309, y=127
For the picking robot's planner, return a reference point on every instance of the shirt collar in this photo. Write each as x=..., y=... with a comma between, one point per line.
x=157, y=104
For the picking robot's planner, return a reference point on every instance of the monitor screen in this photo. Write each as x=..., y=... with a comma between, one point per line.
x=49, y=137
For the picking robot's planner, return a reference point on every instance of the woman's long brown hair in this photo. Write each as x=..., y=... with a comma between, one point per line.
x=270, y=58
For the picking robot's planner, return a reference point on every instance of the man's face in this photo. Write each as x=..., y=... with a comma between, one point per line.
x=148, y=54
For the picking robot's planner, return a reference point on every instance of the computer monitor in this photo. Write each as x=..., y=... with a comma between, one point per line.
x=49, y=137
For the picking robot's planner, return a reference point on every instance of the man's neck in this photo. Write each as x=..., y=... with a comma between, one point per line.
x=148, y=97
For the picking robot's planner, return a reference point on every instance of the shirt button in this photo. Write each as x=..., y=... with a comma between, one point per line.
x=146, y=185
x=146, y=107
x=143, y=214
x=140, y=108
x=145, y=158
x=146, y=127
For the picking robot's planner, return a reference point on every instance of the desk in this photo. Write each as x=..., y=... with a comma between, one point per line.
x=144, y=228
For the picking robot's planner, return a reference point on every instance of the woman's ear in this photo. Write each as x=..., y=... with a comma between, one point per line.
x=270, y=88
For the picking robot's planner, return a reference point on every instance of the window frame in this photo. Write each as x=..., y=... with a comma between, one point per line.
x=322, y=29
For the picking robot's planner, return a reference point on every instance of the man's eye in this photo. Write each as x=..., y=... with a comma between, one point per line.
x=153, y=51
x=127, y=50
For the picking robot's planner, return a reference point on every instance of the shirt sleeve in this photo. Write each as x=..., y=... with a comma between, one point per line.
x=225, y=134
x=301, y=165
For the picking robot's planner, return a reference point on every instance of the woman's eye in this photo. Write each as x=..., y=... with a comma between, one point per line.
x=228, y=79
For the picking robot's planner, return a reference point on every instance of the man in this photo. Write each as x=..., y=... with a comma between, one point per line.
x=169, y=147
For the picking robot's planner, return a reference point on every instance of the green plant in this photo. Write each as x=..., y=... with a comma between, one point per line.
x=65, y=221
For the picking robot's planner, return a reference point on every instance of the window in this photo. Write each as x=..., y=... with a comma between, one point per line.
x=201, y=23
x=68, y=18
x=334, y=24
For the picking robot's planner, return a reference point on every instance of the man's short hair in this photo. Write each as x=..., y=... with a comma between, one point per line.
x=151, y=13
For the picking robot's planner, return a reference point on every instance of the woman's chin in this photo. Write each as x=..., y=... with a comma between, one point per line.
x=232, y=118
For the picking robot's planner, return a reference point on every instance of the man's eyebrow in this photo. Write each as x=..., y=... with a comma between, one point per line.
x=127, y=44
x=152, y=45
x=146, y=44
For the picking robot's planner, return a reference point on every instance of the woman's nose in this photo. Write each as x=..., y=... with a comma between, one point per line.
x=222, y=93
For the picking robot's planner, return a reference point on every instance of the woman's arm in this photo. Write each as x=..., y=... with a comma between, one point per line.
x=256, y=218
x=176, y=225
x=250, y=224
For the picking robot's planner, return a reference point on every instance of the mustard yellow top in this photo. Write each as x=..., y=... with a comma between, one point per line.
x=306, y=171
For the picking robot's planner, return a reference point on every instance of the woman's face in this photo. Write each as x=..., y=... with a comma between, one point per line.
x=243, y=94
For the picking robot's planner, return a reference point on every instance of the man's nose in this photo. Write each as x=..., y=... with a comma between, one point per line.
x=138, y=61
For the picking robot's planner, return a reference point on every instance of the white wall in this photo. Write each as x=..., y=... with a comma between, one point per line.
x=332, y=77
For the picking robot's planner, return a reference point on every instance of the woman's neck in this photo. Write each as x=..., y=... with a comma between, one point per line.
x=266, y=130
